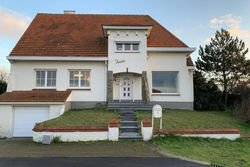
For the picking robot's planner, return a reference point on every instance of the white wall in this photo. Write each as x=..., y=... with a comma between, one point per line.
x=171, y=62
x=73, y=136
x=24, y=77
x=6, y=121
x=135, y=62
x=56, y=111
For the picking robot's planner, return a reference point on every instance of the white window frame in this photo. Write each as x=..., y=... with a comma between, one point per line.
x=178, y=86
x=79, y=79
x=46, y=73
x=131, y=46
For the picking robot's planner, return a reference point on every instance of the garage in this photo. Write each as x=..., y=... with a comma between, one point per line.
x=25, y=119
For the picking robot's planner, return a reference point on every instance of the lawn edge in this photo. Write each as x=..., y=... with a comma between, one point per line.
x=170, y=155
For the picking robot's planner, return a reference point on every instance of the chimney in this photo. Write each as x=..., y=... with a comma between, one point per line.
x=69, y=12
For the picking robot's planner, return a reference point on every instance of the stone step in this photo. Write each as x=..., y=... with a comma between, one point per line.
x=128, y=118
x=129, y=129
x=130, y=136
x=129, y=123
x=134, y=108
x=128, y=115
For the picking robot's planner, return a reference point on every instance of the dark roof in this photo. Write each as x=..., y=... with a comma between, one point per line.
x=35, y=96
x=82, y=34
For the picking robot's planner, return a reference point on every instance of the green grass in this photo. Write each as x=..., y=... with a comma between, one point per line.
x=89, y=117
x=222, y=152
x=182, y=119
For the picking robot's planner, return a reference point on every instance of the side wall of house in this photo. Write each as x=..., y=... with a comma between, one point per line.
x=23, y=78
x=172, y=62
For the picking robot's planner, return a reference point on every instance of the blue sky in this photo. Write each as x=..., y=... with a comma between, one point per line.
x=193, y=21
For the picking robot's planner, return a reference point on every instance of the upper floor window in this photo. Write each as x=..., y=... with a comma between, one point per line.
x=79, y=79
x=46, y=78
x=165, y=82
x=127, y=47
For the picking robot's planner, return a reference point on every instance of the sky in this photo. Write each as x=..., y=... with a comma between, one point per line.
x=192, y=21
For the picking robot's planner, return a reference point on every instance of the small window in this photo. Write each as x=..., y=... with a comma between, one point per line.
x=127, y=47
x=79, y=79
x=135, y=47
x=45, y=78
x=165, y=82
x=119, y=46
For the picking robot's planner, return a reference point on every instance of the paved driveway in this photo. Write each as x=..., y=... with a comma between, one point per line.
x=25, y=153
x=96, y=162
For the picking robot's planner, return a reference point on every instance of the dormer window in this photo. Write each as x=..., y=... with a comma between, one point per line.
x=127, y=47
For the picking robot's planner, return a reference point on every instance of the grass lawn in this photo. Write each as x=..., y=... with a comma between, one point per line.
x=222, y=152
x=86, y=117
x=182, y=119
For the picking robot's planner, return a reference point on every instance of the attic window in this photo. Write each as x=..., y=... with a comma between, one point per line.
x=127, y=47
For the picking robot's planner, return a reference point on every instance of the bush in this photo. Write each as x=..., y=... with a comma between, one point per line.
x=3, y=87
x=207, y=95
x=242, y=107
x=56, y=140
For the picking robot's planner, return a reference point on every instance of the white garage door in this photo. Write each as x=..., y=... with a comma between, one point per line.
x=26, y=117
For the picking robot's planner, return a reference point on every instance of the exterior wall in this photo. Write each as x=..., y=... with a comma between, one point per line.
x=73, y=136
x=137, y=90
x=171, y=62
x=6, y=121
x=56, y=111
x=128, y=58
x=98, y=75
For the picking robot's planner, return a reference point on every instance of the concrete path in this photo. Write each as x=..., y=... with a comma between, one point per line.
x=96, y=162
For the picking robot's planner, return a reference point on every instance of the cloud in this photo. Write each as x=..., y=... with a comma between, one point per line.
x=233, y=25
x=228, y=21
x=207, y=40
x=12, y=24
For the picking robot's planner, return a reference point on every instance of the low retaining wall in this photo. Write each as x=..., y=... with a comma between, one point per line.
x=230, y=134
x=75, y=134
x=148, y=132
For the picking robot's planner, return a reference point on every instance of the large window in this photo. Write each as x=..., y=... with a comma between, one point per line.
x=165, y=82
x=127, y=47
x=79, y=79
x=45, y=78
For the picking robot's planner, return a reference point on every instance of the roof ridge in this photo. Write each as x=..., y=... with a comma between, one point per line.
x=93, y=14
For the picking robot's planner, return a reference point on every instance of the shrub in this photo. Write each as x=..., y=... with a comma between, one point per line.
x=242, y=107
x=56, y=140
x=207, y=96
x=3, y=87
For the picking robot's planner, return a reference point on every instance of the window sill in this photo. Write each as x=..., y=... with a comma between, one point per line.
x=165, y=94
x=127, y=51
x=44, y=88
x=80, y=89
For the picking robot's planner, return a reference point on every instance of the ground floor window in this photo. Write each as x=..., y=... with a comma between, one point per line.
x=79, y=79
x=165, y=82
x=46, y=78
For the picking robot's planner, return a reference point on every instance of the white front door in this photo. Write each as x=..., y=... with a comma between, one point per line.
x=126, y=88
x=25, y=119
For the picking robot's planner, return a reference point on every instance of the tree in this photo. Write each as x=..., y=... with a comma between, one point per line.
x=224, y=61
x=3, y=83
x=207, y=95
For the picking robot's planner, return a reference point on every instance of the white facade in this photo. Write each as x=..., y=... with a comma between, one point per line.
x=23, y=77
x=120, y=62
x=171, y=62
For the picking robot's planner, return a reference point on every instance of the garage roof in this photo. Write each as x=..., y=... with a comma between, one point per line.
x=35, y=96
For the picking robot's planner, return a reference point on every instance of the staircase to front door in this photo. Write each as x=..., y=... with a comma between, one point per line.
x=129, y=126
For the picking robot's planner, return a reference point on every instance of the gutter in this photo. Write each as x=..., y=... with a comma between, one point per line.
x=55, y=58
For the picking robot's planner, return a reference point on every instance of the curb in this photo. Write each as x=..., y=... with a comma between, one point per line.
x=166, y=154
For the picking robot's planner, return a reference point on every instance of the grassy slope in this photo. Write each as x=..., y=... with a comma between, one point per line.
x=84, y=118
x=181, y=119
x=222, y=152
